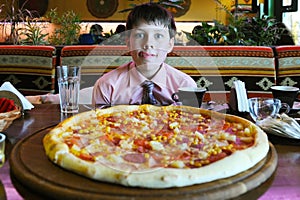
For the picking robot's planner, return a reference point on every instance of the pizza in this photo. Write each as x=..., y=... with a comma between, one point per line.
x=155, y=147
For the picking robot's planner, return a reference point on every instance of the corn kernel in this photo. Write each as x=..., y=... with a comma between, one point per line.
x=247, y=131
x=122, y=137
x=198, y=164
x=164, y=138
x=205, y=162
x=159, y=137
x=172, y=141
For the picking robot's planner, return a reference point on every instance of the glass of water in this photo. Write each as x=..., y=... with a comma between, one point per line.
x=68, y=78
x=262, y=108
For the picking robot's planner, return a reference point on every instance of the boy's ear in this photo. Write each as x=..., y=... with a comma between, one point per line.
x=171, y=44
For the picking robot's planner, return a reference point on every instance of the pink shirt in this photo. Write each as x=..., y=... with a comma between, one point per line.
x=123, y=85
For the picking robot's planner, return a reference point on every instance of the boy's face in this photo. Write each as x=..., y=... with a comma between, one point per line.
x=149, y=44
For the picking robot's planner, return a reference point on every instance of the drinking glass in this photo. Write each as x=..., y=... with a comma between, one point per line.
x=261, y=108
x=68, y=78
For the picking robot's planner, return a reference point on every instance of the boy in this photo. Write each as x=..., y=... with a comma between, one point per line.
x=151, y=30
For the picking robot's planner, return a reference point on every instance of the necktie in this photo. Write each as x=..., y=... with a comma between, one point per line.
x=148, y=97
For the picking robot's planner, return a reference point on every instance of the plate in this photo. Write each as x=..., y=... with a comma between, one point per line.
x=33, y=171
x=102, y=8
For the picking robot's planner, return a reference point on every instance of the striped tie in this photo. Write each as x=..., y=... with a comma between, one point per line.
x=148, y=97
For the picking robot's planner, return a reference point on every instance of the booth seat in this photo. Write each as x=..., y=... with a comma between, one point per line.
x=217, y=67
x=212, y=67
x=30, y=69
x=288, y=65
x=94, y=60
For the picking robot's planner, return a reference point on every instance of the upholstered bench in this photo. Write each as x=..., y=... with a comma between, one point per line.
x=212, y=67
x=288, y=62
x=217, y=67
x=30, y=69
x=94, y=60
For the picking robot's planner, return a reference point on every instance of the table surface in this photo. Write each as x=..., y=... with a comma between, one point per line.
x=284, y=185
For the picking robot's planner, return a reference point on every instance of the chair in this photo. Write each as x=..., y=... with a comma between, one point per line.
x=288, y=61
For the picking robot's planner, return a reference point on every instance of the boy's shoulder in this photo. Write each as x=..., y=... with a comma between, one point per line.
x=172, y=70
x=175, y=74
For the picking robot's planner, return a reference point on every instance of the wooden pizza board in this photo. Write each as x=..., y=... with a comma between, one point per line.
x=31, y=171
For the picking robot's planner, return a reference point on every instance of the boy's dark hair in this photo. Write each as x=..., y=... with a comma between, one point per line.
x=151, y=13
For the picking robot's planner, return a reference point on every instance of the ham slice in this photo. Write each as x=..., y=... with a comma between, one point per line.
x=135, y=158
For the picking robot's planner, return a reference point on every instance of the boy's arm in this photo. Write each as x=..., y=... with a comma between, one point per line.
x=100, y=94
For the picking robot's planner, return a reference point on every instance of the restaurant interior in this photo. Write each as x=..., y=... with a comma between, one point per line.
x=28, y=76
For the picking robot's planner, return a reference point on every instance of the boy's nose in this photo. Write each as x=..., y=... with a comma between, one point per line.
x=149, y=42
x=148, y=46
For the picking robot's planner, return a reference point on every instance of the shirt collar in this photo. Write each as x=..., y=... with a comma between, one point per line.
x=137, y=78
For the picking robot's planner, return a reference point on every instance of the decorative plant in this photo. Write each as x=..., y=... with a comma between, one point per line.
x=68, y=27
x=262, y=31
x=13, y=18
x=33, y=33
x=241, y=30
x=204, y=34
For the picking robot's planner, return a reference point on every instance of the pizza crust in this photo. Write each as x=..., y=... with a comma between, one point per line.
x=237, y=162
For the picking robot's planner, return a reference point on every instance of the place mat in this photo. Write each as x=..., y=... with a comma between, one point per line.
x=31, y=169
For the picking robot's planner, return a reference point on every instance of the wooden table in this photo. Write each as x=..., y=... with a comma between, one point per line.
x=284, y=184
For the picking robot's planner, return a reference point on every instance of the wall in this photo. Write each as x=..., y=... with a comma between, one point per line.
x=204, y=10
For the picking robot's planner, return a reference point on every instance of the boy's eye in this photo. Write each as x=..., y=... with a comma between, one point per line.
x=158, y=36
x=139, y=35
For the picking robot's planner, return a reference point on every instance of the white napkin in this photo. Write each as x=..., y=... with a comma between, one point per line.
x=7, y=86
x=241, y=96
x=284, y=126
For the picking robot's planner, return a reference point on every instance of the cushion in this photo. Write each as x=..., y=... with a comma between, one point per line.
x=288, y=60
x=217, y=67
x=30, y=69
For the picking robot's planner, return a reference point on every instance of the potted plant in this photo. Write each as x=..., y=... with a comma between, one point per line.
x=13, y=17
x=32, y=33
x=67, y=27
x=240, y=30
